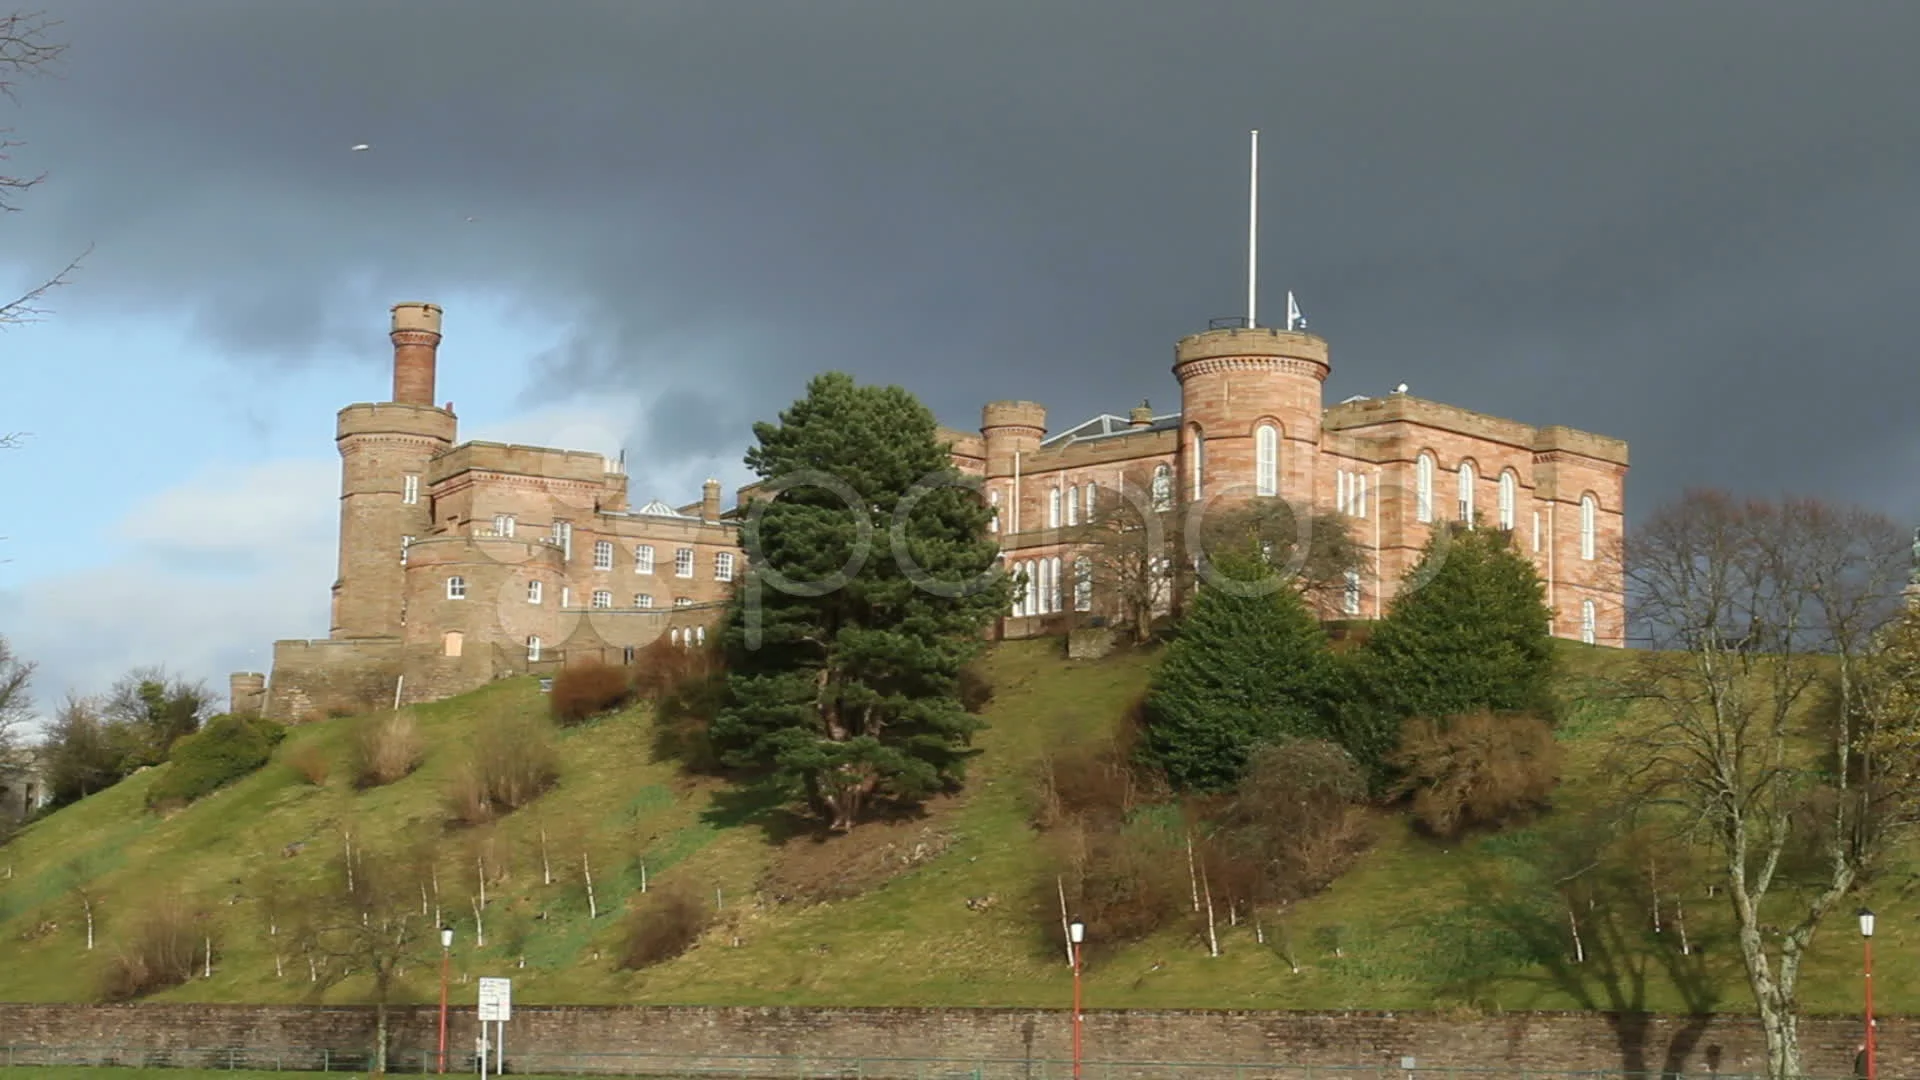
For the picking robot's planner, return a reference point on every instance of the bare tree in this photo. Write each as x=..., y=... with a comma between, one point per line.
x=25, y=51
x=371, y=926
x=16, y=681
x=1764, y=617
x=1125, y=544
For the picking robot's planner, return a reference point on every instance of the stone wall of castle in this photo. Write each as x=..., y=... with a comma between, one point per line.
x=315, y=679
x=1000, y=1043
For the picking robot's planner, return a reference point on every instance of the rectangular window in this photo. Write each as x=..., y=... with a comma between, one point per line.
x=603, y=554
x=533, y=650
x=683, y=562
x=1340, y=492
x=682, y=601
x=1360, y=495
x=602, y=598
x=723, y=566
x=643, y=559
x=534, y=589
x=1053, y=508
x=1536, y=532
x=643, y=601
x=563, y=535
x=410, y=493
x=1353, y=592
x=566, y=597
x=993, y=500
x=405, y=543
x=503, y=525
x=456, y=588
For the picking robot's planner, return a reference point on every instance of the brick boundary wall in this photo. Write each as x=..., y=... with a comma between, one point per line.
x=1508, y=1041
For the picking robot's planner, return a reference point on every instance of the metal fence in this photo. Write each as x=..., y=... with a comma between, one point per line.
x=646, y=1066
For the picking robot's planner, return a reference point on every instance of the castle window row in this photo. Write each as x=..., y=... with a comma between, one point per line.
x=1350, y=493
x=1078, y=501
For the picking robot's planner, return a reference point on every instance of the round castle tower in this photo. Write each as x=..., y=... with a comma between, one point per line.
x=385, y=450
x=1010, y=427
x=491, y=604
x=1232, y=382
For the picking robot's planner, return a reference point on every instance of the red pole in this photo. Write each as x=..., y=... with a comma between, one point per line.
x=1076, y=1012
x=1869, y=980
x=446, y=956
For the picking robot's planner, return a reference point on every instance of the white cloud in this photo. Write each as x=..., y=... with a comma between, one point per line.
x=211, y=573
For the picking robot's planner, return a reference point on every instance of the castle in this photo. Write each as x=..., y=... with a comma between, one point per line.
x=461, y=563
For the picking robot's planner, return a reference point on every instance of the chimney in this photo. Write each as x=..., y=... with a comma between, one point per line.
x=1141, y=416
x=416, y=339
x=710, y=501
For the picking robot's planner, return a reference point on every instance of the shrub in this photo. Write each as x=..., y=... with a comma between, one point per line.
x=509, y=763
x=666, y=923
x=687, y=688
x=1095, y=783
x=310, y=764
x=161, y=951
x=385, y=749
x=226, y=749
x=976, y=690
x=583, y=691
x=1124, y=884
x=1478, y=769
x=1298, y=817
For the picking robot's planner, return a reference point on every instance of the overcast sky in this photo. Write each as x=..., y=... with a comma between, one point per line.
x=1692, y=226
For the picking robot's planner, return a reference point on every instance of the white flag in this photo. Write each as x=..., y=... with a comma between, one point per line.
x=1294, y=319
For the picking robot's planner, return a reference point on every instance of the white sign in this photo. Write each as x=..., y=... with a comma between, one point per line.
x=496, y=1000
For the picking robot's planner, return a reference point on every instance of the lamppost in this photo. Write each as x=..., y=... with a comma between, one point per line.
x=446, y=964
x=1076, y=934
x=1866, y=937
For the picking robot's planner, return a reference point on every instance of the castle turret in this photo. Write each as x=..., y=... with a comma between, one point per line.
x=1141, y=416
x=1235, y=382
x=246, y=693
x=1010, y=427
x=385, y=449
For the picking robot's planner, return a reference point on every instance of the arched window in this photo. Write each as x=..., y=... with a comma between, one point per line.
x=673, y=636
x=1466, y=492
x=993, y=501
x=1352, y=599
x=452, y=642
x=1053, y=508
x=1589, y=510
x=1359, y=495
x=1022, y=589
x=1508, y=494
x=1423, y=487
x=1266, y=460
x=1586, y=621
x=1162, y=487
x=1197, y=446
x=1053, y=584
x=699, y=635
x=1090, y=489
x=1083, y=584
x=1073, y=505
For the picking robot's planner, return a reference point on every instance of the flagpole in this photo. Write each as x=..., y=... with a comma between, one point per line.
x=1253, y=225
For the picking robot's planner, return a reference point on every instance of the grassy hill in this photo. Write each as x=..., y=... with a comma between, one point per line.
x=1397, y=932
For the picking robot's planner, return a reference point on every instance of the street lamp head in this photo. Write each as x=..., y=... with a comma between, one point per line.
x=446, y=937
x=1076, y=931
x=1866, y=922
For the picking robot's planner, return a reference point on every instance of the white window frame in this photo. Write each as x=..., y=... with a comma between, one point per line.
x=456, y=588
x=405, y=543
x=535, y=590
x=563, y=535
x=1589, y=525
x=1352, y=598
x=643, y=559
x=1587, y=622
x=1465, y=475
x=683, y=562
x=1092, y=504
x=503, y=525
x=683, y=601
x=1359, y=498
x=1340, y=491
x=533, y=650
x=699, y=635
x=603, y=598
x=1082, y=584
x=993, y=503
x=1509, y=497
x=643, y=601
x=1053, y=585
x=566, y=596
x=1266, y=460
x=1423, y=487
x=1536, y=532
x=1053, y=508
x=1162, y=487
x=603, y=554
x=1073, y=504
x=723, y=566
x=410, y=489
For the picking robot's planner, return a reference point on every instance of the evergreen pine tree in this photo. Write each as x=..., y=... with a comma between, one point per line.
x=870, y=578
x=1247, y=668
x=1468, y=632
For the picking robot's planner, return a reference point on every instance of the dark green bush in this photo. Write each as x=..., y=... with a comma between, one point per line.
x=226, y=749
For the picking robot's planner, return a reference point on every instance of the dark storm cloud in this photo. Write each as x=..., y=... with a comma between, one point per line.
x=1687, y=225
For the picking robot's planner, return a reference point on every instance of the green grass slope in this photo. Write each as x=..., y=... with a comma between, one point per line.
x=1405, y=929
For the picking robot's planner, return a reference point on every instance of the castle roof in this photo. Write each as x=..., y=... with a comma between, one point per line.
x=1106, y=425
x=656, y=508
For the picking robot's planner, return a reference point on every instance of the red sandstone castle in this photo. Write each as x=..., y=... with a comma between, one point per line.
x=461, y=563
